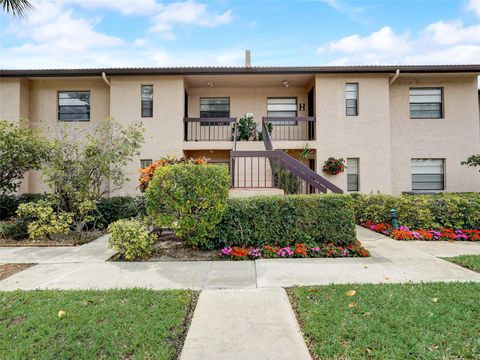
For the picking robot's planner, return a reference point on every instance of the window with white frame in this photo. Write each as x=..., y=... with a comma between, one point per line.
x=352, y=174
x=147, y=100
x=144, y=163
x=426, y=103
x=282, y=108
x=351, y=99
x=428, y=174
x=74, y=105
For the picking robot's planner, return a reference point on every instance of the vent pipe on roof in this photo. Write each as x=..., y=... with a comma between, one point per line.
x=395, y=77
x=104, y=77
x=248, y=60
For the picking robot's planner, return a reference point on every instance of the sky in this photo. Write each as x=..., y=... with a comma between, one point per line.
x=131, y=33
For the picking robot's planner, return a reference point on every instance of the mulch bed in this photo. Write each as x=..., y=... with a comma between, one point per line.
x=61, y=240
x=7, y=270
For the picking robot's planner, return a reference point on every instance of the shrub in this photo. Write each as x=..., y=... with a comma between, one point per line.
x=435, y=211
x=43, y=220
x=190, y=199
x=9, y=203
x=131, y=239
x=287, y=220
x=109, y=210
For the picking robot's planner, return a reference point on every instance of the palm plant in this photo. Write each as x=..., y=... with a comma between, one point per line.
x=18, y=8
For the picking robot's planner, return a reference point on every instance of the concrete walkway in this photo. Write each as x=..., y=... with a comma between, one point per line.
x=85, y=267
x=244, y=324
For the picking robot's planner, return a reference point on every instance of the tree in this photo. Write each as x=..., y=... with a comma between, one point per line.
x=86, y=164
x=473, y=160
x=18, y=8
x=21, y=150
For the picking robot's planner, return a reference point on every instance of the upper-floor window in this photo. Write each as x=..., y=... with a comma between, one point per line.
x=144, y=163
x=74, y=105
x=147, y=100
x=352, y=174
x=214, y=107
x=351, y=99
x=426, y=103
x=282, y=107
x=428, y=174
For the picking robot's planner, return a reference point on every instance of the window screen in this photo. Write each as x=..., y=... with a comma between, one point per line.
x=145, y=163
x=147, y=100
x=426, y=103
x=352, y=174
x=282, y=107
x=351, y=99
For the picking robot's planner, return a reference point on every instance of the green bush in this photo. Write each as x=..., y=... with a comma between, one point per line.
x=43, y=219
x=131, y=239
x=287, y=220
x=109, y=210
x=190, y=199
x=9, y=203
x=449, y=210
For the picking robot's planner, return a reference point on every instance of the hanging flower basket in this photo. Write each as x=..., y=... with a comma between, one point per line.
x=333, y=166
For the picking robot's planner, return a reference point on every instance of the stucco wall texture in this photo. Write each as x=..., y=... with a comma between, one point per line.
x=382, y=136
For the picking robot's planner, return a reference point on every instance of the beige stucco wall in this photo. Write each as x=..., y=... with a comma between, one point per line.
x=454, y=138
x=164, y=131
x=366, y=136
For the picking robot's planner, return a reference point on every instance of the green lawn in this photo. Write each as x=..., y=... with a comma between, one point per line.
x=391, y=321
x=469, y=261
x=120, y=324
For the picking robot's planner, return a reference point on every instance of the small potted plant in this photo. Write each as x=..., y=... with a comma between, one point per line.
x=333, y=166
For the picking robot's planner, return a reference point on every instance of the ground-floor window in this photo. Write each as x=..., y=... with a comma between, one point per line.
x=352, y=174
x=145, y=163
x=428, y=174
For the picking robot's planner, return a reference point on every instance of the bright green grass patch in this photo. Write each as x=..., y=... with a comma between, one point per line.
x=118, y=324
x=468, y=261
x=391, y=321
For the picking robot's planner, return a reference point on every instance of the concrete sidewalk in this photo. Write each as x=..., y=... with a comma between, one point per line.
x=94, y=251
x=244, y=325
x=391, y=262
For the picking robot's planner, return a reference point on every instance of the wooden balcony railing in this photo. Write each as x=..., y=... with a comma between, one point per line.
x=208, y=129
x=291, y=128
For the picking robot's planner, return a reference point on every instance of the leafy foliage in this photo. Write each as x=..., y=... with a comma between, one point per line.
x=333, y=166
x=131, y=239
x=287, y=220
x=21, y=150
x=18, y=8
x=9, y=203
x=473, y=160
x=445, y=210
x=43, y=220
x=189, y=199
x=109, y=210
x=246, y=129
x=85, y=165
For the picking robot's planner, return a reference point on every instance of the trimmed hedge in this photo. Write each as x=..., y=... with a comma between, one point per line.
x=443, y=210
x=287, y=220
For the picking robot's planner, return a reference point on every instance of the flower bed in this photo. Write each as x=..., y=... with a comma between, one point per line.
x=298, y=251
x=443, y=234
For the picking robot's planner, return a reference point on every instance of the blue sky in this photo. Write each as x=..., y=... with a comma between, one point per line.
x=111, y=33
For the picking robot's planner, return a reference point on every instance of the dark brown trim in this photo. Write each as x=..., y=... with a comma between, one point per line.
x=471, y=68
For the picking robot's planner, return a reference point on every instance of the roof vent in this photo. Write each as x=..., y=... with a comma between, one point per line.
x=248, y=60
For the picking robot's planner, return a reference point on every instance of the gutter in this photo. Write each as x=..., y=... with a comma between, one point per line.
x=104, y=77
x=395, y=77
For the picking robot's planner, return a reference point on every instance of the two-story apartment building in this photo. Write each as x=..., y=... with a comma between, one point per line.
x=400, y=128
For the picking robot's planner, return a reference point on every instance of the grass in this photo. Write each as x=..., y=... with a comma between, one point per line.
x=469, y=261
x=394, y=321
x=120, y=324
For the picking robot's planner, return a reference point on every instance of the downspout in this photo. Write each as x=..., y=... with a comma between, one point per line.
x=395, y=77
x=104, y=77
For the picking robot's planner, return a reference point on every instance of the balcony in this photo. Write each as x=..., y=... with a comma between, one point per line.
x=222, y=129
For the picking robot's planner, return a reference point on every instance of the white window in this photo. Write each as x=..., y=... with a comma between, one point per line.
x=74, y=105
x=147, y=100
x=428, y=174
x=282, y=108
x=351, y=99
x=352, y=174
x=145, y=163
x=426, y=103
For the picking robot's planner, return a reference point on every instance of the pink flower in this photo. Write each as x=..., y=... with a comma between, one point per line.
x=316, y=249
x=254, y=252
x=226, y=251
